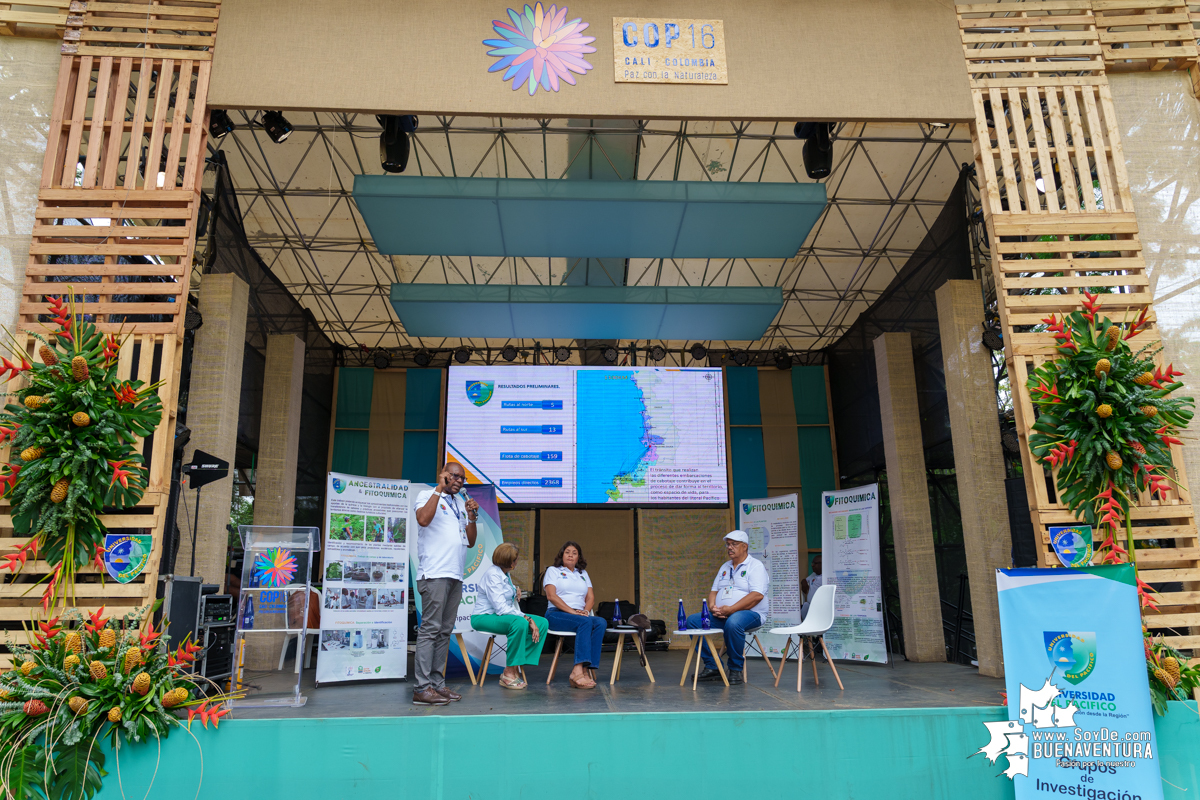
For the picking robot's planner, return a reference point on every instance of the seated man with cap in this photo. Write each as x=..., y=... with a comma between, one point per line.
x=737, y=602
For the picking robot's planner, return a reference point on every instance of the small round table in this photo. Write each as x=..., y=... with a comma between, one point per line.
x=699, y=639
x=622, y=631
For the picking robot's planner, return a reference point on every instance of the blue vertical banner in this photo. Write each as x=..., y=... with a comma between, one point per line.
x=1080, y=720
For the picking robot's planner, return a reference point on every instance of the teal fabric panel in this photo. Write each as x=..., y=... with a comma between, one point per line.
x=743, y=396
x=521, y=217
x=816, y=476
x=846, y=753
x=422, y=401
x=350, y=452
x=749, y=464
x=808, y=393
x=355, y=385
x=421, y=457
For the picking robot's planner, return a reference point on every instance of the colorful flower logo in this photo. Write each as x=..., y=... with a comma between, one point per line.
x=540, y=47
x=275, y=567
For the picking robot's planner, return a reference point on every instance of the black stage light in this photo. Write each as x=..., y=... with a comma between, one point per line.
x=818, y=148
x=993, y=339
x=561, y=354
x=462, y=355
x=783, y=359
x=393, y=144
x=657, y=353
x=382, y=359
x=220, y=124
x=509, y=353
x=610, y=354
x=276, y=126
x=1009, y=440
x=183, y=435
x=741, y=358
x=422, y=358
x=192, y=319
x=699, y=352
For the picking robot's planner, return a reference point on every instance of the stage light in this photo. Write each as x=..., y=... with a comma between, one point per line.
x=699, y=352
x=394, y=144
x=276, y=126
x=741, y=358
x=462, y=355
x=657, y=352
x=220, y=124
x=783, y=359
x=382, y=359
x=993, y=339
x=818, y=148
x=193, y=320
x=611, y=354
x=509, y=353
x=422, y=358
x=561, y=354
x=1009, y=440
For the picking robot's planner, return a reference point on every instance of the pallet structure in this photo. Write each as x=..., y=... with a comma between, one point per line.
x=1060, y=219
x=116, y=220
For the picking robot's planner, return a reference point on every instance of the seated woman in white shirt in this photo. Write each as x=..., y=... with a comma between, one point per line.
x=569, y=591
x=496, y=611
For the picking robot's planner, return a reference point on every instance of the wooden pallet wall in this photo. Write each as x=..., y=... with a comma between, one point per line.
x=1052, y=178
x=120, y=183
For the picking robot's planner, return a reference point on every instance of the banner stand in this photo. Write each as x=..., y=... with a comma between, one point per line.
x=851, y=554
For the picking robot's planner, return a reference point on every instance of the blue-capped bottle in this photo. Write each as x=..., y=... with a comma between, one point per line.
x=617, y=612
x=705, y=618
x=248, y=616
x=682, y=616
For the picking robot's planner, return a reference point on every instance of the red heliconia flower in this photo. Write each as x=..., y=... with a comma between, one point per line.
x=96, y=620
x=12, y=369
x=1167, y=439
x=216, y=714
x=8, y=434
x=9, y=481
x=201, y=711
x=1048, y=395
x=98, y=559
x=148, y=638
x=125, y=394
x=50, y=587
x=62, y=315
x=119, y=474
x=112, y=346
x=1092, y=302
x=1144, y=594
x=14, y=561
x=1138, y=325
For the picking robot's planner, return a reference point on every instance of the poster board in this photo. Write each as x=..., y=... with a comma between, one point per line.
x=1079, y=721
x=773, y=526
x=477, y=559
x=850, y=559
x=364, y=600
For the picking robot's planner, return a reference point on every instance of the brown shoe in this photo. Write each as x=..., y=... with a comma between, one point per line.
x=429, y=697
x=453, y=697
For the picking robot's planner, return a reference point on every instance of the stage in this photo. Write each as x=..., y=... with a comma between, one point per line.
x=868, y=686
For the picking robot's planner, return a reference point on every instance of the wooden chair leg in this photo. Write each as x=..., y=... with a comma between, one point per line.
x=637, y=641
x=832, y=666
x=462, y=650
x=554, y=662
x=487, y=659
x=787, y=646
x=521, y=669
x=717, y=657
x=699, y=658
x=616, y=667
x=745, y=662
x=763, y=651
x=812, y=651
x=799, y=664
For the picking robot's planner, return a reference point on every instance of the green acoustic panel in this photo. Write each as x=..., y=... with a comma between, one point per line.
x=350, y=452
x=816, y=476
x=748, y=464
x=511, y=217
x=420, y=456
x=422, y=399
x=741, y=313
x=742, y=385
x=808, y=394
x=355, y=385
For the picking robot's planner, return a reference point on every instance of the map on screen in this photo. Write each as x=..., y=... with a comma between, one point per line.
x=590, y=435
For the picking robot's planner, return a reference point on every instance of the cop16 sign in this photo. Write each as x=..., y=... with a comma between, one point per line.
x=665, y=50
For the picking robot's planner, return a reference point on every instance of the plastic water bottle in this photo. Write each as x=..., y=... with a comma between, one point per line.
x=682, y=616
x=248, y=617
x=705, y=619
x=616, y=612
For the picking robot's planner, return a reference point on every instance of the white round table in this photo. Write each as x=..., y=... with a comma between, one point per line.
x=699, y=639
x=623, y=631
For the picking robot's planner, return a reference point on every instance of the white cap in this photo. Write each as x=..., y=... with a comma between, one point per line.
x=738, y=536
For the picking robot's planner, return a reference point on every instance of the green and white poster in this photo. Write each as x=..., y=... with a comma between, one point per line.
x=772, y=525
x=850, y=559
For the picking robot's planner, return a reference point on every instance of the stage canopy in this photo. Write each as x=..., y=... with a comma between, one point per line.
x=889, y=182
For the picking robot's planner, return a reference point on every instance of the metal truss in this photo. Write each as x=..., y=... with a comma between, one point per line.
x=888, y=184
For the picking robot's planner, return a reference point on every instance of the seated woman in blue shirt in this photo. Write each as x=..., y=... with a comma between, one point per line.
x=496, y=611
x=569, y=591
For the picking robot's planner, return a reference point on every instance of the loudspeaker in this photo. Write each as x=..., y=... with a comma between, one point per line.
x=1020, y=525
x=181, y=607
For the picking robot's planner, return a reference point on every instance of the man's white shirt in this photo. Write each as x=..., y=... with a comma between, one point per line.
x=733, y=583
x=442, y=544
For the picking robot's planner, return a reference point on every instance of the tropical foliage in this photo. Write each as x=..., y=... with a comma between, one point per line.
x=1170, y=676
x=72, y=431
x=79, y=679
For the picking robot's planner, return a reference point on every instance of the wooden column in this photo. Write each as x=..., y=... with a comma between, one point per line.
x=908, y=496
x=1060, y=221
x=279, y=432
x=213, y=403
x=978, y=462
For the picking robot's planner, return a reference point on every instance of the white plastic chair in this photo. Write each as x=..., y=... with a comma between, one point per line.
x=819, y=620
x=486, y=661
x=756, y=646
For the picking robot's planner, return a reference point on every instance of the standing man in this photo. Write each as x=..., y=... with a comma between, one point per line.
x=810, y=584
x=738, y=601
x=446, y=530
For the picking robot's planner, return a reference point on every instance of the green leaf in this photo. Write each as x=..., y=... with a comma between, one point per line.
x=24, y=778
x=78, y=770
